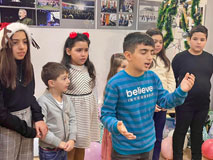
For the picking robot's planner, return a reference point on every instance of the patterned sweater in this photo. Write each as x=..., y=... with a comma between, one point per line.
x=132, y=100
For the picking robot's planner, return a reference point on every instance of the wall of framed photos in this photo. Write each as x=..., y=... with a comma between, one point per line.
x=83, y=14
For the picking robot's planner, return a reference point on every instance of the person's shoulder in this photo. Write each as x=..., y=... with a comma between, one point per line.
x=207, y=54
x=117, y=77
x=151, y=74
x=44, y=97
x=180, y=54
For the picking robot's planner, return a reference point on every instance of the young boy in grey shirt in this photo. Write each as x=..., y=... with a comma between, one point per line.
x=59, y=113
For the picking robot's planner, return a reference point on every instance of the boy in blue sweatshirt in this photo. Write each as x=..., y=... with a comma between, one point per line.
x=130, y=99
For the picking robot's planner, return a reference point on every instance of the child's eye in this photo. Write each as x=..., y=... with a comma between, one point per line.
x=79, y=50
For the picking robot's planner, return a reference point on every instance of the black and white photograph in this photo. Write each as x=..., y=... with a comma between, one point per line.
x=147, y=14
x=78, y=9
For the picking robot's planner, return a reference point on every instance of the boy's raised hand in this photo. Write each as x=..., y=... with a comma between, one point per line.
x=187, y=82
x=122, y=129
x=69, y=145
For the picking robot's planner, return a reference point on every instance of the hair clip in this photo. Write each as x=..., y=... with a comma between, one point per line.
x=87, y=34
x=73, y=35
x=3, y=25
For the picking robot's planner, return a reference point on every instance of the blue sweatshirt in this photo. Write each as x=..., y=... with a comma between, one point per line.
x=132, y=100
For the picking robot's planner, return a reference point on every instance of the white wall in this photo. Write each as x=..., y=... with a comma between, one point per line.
x=103, y=44
x=209, y=47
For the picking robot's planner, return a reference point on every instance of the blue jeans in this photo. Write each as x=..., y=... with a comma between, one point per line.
x=52, y=155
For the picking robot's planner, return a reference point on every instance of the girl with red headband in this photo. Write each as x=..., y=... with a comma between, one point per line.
x=82, y=81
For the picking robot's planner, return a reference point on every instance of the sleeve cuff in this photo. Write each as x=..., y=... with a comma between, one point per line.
x=181, y=92
x=115, y=129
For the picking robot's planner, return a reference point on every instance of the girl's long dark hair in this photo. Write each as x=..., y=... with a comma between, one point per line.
x=162, y=54
x=8, y=67
x=66, y=58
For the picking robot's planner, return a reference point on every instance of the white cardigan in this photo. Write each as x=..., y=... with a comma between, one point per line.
x=167, y=77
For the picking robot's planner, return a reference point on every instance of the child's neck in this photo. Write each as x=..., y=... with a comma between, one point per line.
x=57, y=95
x=194, y=52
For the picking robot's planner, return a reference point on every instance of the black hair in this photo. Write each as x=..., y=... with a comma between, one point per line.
x=162, y=54
x=133, y=39
x=198, y=28
x=70, y=42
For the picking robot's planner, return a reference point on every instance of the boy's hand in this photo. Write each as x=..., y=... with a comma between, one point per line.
x=69, y=145
x=157, y=108
x=187, y=82
x=62, y=145
x=122, y=129
x=41, y=129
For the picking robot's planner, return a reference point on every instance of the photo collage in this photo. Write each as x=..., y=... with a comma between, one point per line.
x=111, y=14
x=31, y=12
x=119, y=14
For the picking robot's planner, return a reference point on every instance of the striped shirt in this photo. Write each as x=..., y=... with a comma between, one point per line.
x=132, y=100
x=86, y=107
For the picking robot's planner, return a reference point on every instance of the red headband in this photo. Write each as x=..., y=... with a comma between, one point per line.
x=74, y=34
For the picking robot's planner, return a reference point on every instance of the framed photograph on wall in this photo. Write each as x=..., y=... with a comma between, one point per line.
x=48, y=4
x=78, y=14
x=48, y=18
x=148, y=14
x=20, y=3
x=26, y=16
x=117, y=14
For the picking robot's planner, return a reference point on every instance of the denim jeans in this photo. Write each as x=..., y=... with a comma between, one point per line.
x=52, y=155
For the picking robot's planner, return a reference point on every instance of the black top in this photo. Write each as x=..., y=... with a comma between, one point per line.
x=202, y=67
x=19, y=99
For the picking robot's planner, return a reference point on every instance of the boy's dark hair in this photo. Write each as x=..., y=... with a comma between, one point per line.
x=133, y=39
x=51, y=71
x=199, y=28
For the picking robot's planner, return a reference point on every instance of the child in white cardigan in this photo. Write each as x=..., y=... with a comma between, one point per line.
x=162, y=67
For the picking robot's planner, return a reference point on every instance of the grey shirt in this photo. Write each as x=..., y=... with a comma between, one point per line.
x=61, y=122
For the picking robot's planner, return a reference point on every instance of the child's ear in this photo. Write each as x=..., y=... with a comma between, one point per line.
x=51, y=83
x=128, y=55
x=68, y=50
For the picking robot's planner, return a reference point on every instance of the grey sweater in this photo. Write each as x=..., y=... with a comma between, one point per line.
x=61, y=122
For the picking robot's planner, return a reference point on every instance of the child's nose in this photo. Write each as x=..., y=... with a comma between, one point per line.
x=21, y=45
